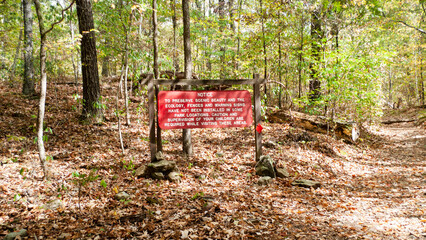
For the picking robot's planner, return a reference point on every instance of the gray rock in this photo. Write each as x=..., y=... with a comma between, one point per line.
x=142, y=171
x=157, y=175
x=265, y=167
x=269, y=144
x=264, y=180
x=159, y=156
x=306, y=183
x=282, y=173
x=13, y=235
x=173, y=177
x=53, y=205
x=64, y=236
x=162, y=166
x=122, y=196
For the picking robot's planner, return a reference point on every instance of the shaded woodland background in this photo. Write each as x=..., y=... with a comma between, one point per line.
x=356, y=63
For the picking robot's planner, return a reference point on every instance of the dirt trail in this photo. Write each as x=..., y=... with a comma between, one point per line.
x=389, y=197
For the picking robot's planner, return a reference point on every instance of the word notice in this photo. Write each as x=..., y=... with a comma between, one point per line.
x=204, y=109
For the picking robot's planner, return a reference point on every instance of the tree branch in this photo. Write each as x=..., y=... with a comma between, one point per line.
x=59, y=21
x=416, y=28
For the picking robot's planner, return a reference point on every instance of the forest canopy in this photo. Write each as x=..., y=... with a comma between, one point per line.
x=344, y=59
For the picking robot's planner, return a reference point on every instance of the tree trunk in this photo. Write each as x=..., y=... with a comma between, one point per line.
x=316, y=35
x=75, y=68
x=302, y=26
x=221, y=8
x=43, y=89
x=28, y=86
x=43, y=83
x=155, y=65
x=176, y=67
x=421, y=50
x=105, y=65
x=279, y=70
x=265, y=59
x=126, y=68
x=186, y=133
x=92, y=108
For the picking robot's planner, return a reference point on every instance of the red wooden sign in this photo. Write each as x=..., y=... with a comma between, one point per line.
x=204, y=109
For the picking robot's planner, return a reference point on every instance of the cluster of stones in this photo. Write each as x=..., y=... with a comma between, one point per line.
x=159, y=169
x=265, y=168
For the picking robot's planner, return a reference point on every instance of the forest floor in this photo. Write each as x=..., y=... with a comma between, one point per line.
x=375, y=189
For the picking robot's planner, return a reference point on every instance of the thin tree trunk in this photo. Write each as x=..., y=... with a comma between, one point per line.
x=28, y=86
x=43, y=84
x=75, y=68
x=265, y=61
x=279, y=70
x=421, y=50
x=155, y=65
x=237, y=65
x=223, y=40
x=390, y=86
x=186, y=133
x=118, y=114
x=316, y=35
x=175, y=57
x=302, y=26
x=126, y=64
x=105, y=61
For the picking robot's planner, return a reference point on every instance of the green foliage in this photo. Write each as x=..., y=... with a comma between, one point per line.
x=82, y=179
x=128, y=165
x=197, y=195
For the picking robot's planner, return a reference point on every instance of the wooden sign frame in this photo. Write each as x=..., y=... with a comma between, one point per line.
x=155, y=142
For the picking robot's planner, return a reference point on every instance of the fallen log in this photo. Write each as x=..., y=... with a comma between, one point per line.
x=312, y=123
x=398, y=121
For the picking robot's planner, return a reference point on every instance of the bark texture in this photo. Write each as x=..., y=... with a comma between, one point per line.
x=316, y=35
x=186, y=133
x=28, y=86
x=91, y=86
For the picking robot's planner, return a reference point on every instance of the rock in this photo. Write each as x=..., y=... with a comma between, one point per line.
x=53, y=205
x=153, y=200
x=219, y=154
x=158, y=157
x=173, y=177
x=162, y=166
x=122, y=196
x=13, y=235
x=265, y=167
x=157, y=175
x=142, y=171
x=282, y=173
x=264, y=180
x=64, y=236
x=306, y=183
x=269, y=144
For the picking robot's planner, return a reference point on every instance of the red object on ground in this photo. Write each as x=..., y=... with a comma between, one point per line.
x=204, y=109
x=259, y=128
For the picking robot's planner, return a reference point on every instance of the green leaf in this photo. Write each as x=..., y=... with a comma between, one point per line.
x=103, y=183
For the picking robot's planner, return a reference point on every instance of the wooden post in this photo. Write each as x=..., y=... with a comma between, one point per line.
x=151, y=113
x=159, y=140
x=257, y=116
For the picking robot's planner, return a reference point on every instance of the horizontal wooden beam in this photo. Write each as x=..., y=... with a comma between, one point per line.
x=195, y=82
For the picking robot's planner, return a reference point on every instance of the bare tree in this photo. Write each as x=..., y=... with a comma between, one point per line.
x=186, y=133
x=43, y=82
